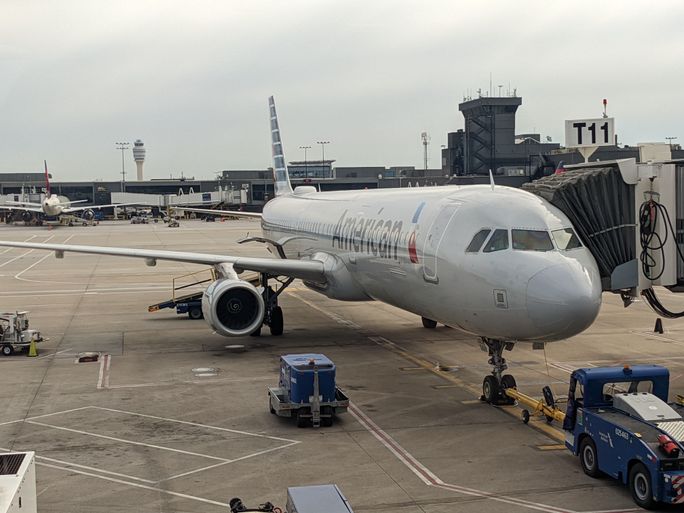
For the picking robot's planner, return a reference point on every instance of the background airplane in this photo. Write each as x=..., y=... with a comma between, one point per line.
x=497, y=262
x=52, y=205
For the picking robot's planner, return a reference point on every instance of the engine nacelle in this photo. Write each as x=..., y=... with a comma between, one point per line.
x=233, y=308
x=88, y=214
x=26, y=216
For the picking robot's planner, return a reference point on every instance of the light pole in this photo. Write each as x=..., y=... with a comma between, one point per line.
x=306, y=166
x=123, y=146
x=323, y=143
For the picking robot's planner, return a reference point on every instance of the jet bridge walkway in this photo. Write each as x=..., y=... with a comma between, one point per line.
x=631, y=217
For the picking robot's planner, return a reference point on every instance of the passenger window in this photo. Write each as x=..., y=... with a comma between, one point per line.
x=531, y=240
x=477, y=241
x=497, y=242
x=566, y=239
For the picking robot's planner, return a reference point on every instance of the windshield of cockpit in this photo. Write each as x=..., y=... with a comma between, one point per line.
x=490, y=240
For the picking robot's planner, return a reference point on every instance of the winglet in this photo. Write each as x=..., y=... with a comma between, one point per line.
x=47, y=180
x=491, y=179
x=280, y=174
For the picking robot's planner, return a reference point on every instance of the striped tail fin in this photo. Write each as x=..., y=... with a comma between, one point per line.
x=280, y=175
x=47, y=180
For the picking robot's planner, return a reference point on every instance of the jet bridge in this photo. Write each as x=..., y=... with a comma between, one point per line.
x=631, y=217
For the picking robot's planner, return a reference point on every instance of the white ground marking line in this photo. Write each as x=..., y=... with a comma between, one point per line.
x=132, y=442
x=190, y=382
x=44, y=415
x=95, y=469
x=418, y=468
x=70, y=464
x=18, y=275
x=100, y=376
x=137, y=485
x=53, y=354
x=429, y=478
x=197, y=424
x=21, y=256
x=10, y=249
x=247, y=456
x=74, y=292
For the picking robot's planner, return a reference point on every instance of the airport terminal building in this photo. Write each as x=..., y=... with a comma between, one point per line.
x=487, y=142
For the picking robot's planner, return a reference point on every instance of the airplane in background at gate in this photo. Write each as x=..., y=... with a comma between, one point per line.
x=497, y=262
x=52, y=205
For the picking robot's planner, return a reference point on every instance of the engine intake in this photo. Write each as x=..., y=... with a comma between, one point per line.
x=233, y=308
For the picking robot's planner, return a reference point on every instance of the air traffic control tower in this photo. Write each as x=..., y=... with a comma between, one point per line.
x=139, y=157
x=489, y=132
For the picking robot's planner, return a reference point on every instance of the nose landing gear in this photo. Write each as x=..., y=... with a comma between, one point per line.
x=495, y=384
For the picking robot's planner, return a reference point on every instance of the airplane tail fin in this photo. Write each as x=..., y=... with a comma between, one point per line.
x=280, y=174
x=47, y=180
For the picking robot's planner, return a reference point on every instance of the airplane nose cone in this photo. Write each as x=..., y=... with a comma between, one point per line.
x=563, y=300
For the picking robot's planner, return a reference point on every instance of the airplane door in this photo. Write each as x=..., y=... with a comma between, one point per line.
x=434, y=239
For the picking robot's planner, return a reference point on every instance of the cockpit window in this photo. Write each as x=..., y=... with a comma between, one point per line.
x=497, y=242
x=477, y=241
x=566, y=239
x=532, y=240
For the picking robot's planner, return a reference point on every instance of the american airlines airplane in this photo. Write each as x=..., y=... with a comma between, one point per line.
x=52, y=205
x=497, y=262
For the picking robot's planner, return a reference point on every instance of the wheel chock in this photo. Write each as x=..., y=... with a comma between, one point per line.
x=658, y=326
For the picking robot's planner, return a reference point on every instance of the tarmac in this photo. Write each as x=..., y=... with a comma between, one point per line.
x=169, y=420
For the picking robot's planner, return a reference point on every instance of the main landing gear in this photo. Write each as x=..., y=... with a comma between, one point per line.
x=494, y=385
x=273, y=317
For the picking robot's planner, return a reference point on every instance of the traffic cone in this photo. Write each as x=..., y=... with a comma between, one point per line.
x=33, y=350
x=658, y=326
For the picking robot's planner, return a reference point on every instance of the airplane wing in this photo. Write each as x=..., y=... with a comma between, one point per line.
x=22, y=208
x=309, y=270
x=22, y=203
x=67, y=203
x=228, y=213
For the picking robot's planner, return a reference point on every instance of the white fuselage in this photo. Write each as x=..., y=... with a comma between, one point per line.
x=407, y=248
x=52, y=205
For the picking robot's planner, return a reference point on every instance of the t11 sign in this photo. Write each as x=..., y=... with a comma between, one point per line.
x=584, y=133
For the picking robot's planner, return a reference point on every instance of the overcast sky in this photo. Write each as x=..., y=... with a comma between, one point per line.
x=191, y=79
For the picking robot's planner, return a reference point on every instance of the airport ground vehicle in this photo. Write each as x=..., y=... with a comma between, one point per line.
x=619, y=423
x=306, y=390
x=190, y=304
x=15, y=334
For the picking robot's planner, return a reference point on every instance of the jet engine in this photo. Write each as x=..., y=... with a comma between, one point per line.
x=88, y=214
x=233, y=308
x=26, y=216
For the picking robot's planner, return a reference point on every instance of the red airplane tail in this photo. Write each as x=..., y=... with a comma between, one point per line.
x=47, y=180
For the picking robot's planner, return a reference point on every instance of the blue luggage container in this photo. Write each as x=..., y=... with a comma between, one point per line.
x=306, y=390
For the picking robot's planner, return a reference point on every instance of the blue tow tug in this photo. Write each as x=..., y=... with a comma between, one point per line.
x=619, y=423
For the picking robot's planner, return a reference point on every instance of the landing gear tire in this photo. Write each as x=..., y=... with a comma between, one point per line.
x=490, y=390
x=640, y=486
x=428, y=323
x=277, y=323
x=195, y=313
x=589, y=458
x=7, y=350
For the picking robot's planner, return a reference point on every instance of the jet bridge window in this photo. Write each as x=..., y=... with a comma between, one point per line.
x=478, y=240
x=497, y=242
x=532, y=240
x=566, y=239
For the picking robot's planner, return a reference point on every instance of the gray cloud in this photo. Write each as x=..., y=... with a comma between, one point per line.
x=191, y=80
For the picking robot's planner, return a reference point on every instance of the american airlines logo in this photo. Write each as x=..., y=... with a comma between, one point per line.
x=377, y=237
